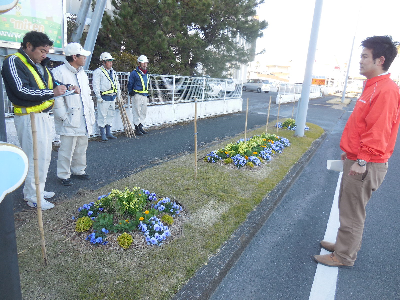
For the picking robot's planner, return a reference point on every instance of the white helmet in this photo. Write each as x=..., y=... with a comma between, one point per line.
x=105, y=56
x=142, y=59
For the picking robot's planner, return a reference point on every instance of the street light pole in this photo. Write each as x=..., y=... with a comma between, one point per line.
x=305, y=92
x=348, y=70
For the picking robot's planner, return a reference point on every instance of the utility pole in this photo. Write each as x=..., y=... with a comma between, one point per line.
x=305, y=92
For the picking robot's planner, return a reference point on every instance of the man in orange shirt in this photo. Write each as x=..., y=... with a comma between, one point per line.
x=368, y=141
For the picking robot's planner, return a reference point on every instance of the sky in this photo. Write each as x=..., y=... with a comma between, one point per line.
x=287, y=36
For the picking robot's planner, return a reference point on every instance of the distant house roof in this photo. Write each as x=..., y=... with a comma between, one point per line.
x=273, y=77
x=277, y=66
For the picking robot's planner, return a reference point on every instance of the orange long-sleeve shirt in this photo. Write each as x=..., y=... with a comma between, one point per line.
x=371, y=130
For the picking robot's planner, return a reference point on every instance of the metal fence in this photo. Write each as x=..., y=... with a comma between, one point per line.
x=288, y=88
x=170, y=89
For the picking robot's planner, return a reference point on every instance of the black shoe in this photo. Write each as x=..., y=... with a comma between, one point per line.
x=137, y=130
x=141, y=128
x=81, y=177
x=65, y=182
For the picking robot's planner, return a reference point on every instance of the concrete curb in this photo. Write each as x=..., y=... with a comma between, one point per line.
x=203, y=284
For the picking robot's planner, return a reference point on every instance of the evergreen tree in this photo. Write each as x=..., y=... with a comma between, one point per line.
x=178, y=36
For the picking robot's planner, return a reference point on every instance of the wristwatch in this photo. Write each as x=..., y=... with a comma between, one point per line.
x=361, y=162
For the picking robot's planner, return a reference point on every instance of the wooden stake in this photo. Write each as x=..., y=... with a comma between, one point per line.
x=129, y=132
x=277, y=117
x=195, y=138
x=37, y=185
x=269, y=107
x=245, y=124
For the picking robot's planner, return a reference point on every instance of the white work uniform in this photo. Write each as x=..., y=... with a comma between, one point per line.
x=74, y=119
x=44, y=125
x=105, y=109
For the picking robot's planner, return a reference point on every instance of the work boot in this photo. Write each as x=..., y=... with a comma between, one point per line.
x=103, y=134
x=109, y=133
x=141, y=128
x=137, y=130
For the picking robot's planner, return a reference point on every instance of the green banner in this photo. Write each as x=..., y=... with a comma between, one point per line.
x=38, y=15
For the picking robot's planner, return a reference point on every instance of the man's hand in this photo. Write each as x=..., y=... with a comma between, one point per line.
x=75, y=88
x=343, y=156
x=356, y=169
x=59, y=90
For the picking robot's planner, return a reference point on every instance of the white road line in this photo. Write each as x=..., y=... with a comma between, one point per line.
x=325, y=278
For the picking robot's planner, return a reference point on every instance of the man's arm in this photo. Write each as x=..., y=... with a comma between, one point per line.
x=131, y=82
x=96, y=84
x=378, y=124
x=60, y=107
x=118, y=85
x=19, y=79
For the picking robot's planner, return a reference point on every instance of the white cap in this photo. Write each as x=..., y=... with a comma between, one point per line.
x=142, y=59
x=74, y=49
x=105, y=56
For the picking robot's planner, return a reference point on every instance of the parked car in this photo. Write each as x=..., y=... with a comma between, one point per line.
x=258, y=85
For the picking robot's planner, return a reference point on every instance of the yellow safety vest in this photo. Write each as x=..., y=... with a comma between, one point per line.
x=20, y=110
x=113, y=86
x=145, y=88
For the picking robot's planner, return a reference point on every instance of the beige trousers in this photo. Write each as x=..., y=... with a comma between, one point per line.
x=105, y=113
x=139, y=109
x=44, y=127
x=355, y=192
x=72, y=156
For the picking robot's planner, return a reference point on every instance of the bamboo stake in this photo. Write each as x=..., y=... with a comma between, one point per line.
x=195, y=138
x=269, y=107
x=277, y=117
x=129, y=132
x=245, y=124
x=37, y=185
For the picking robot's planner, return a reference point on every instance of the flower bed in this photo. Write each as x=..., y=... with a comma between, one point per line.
x=252, y=152
x=124, y=212
x=289, y=124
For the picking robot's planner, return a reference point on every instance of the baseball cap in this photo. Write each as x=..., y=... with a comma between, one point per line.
x=74, y=49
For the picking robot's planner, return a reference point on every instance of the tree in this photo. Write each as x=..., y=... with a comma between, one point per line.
x=180, y=36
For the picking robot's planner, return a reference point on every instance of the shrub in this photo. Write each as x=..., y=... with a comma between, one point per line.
x=167, y=219
x=124, y=202
x=125, y=240
x=83, y=224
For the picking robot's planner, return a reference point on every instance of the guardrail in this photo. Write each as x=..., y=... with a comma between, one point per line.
x=288, y=88
x=291, y=92
x=171, y=89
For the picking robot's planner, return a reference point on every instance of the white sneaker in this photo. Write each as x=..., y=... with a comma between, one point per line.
x=45, y=204
x=48, y=195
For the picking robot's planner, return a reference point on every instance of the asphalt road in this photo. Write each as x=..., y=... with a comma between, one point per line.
x=277, y=263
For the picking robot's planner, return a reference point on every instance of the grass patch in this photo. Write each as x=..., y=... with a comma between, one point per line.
x=216, y=204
